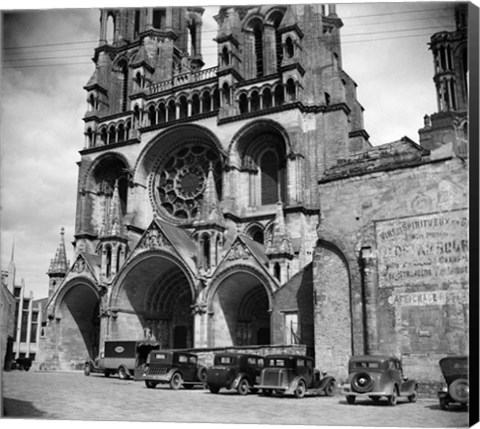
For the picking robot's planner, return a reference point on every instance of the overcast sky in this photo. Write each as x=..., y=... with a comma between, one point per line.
x=47, y=61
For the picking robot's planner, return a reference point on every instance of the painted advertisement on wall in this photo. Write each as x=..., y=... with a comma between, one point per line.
x=423, y=282
x=427, y=250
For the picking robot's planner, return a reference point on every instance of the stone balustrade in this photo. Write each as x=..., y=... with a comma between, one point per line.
x=183, y=79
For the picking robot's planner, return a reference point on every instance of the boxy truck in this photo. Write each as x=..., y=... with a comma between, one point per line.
x=127, y=358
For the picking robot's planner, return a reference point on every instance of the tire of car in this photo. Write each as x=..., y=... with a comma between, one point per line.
x=122, y=373
x=414, y=396
x=375, y=399
x=267, y=392
x=330, y=388
x=362, y=382
x=176, y=381
x=243, y=387
x=444, y=404
x=350, y=400
x=87, y=370
x=458, y=390
x=107, y=373
x=202, y=374
x=150, y=384
x=300, y=389
x=392, y=399
x=214, y=389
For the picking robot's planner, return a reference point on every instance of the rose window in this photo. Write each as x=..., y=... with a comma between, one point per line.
x=180, y=180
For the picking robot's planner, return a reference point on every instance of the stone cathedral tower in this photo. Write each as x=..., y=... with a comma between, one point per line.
x=197, y=189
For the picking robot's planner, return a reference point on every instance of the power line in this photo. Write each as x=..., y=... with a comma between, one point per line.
x=393, y=13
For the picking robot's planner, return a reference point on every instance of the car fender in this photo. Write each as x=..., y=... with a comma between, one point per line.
x=237, y=380
x=408, y=387
x=294, y=383
x=325, y=380
x=169, y=374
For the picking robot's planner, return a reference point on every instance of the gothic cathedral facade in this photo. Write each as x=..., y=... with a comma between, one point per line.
x=198, y=204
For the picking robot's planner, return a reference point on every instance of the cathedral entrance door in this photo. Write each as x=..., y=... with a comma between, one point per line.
x=241, y=312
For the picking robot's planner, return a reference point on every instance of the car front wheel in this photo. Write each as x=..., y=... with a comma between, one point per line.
x=122, y=373
x=176, y=381
x=243, y=387
x=150, y=384
x=87, y=370
x=330, y=388
x=444, y=404
x=414, y=396
x=392, y=399
x=214, y=389
x=300, y=390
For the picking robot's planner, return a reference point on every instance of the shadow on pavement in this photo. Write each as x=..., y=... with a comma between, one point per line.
x=21, y=409
x=455, y=408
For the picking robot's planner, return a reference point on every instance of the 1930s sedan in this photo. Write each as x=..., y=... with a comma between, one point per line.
x=234, y=371
x=455, y=372
x=375, y=377
x=175, y=368
x=294, y=374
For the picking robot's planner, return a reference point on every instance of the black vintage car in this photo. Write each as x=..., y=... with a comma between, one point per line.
x=294, y=374
x=375, y=377
x=455, y=372
x=176, y=368
x=234, y=371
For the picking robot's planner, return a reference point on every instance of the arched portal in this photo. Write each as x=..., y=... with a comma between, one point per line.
x=79, y=323
x=241, y=312
x=154, y=301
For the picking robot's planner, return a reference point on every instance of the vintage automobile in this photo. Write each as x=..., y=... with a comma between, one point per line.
x=294, y=374
x=455, y=372
x=127, y=358
x=234, y=371
x=176, y=368
x=22, y=363
x=378, y=376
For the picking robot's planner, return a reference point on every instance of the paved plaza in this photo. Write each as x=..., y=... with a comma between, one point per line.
x=73, y=396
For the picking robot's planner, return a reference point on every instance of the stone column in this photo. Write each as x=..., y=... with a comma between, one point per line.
x=29, y=327
x=269, y=50
x=149, y=25
x=369, y=279
x=103, y=27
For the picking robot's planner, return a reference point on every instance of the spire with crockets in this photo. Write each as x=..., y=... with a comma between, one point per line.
x=209, y=212
x=59, y=264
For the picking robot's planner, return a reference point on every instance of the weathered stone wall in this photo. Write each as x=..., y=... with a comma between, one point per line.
x=332, y=315
x=295, y=297
x=404, y=235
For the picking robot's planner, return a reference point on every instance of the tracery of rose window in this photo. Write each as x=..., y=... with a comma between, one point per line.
x=180, y=180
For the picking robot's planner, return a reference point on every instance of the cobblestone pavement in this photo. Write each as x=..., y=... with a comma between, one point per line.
x=73, y=396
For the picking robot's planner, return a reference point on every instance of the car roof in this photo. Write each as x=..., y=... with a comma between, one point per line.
x=372, y=358
x=173, y=351
x=290, y=356
x=232, y=354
